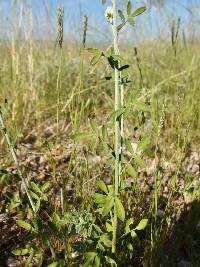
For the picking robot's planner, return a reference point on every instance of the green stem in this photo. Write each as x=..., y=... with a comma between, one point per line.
x=117, y=125
x=58, y=85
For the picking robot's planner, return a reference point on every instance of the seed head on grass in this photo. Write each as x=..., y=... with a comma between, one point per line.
x=60, y=17
x=85, y=26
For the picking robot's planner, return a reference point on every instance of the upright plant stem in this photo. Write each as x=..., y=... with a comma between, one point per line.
x=60, y=17
x=117, y=125
x=58, y=87
x=121, y=123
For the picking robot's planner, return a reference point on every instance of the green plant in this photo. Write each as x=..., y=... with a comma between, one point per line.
x=111, y=203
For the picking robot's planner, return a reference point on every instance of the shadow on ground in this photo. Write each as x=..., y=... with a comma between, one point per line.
x=182, y=248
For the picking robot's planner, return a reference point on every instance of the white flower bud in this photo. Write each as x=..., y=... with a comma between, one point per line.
x=109, y=14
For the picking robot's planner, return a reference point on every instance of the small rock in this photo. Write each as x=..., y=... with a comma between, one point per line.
x=74, y=254
x=134, y=147
x=42, y=160
x=30, y=139
x=165, y=164
x=12, y=262
x=48, y=133
x=198, y=225
x=196, y=184
x=151, y=167
x=2, y=217
x=94, y=161
x=194, y=157
x=160, y=213
x=69, y=188
x=195, y=169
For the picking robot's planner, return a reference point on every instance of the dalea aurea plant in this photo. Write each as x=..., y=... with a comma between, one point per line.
x=119, y=231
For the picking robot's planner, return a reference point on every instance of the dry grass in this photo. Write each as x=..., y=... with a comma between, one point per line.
x=47, y=101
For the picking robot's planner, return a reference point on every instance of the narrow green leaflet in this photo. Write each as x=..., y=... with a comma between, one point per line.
x=120, y=26
x=116, y=114
x=140, y=162
x=38, y=224
x=82, y=136
x=37, y=206
x=99, y=198
x=142, y=224
x=45, y=186
x=11, y=197
x=138, y=11
x=99, y=210
x=119, y=209
x=129, y=146
x=111, y=261
x=128, y=223
x=20, y=252
x=122, y=16
x=142, y=106
x=133, y=234
x=108, y=205
x=113, y=62
x=96, y=59
x=36, y=188
x=93, y=50
x=56, y=217
x=106, y=241
x=103, y=1
x=97, y=228
x=124, y=67
x=129, y=8
x=33, y=195
x=111, y=189
x=143, y=143
x=130, y=246
x=90, y=256
x=29, y=259
x=137, y=159
x=24, y=225
x=131, y=21
x=109, y=227
x=100, y=246
x=94, y=126
x=13, y=206
x=93, y=144
x=131, y=170
x=103, y=186
x=104, y=133
x=96, y=262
